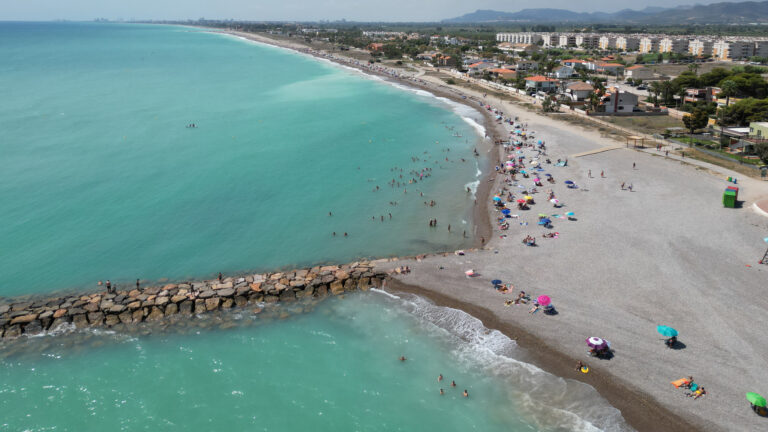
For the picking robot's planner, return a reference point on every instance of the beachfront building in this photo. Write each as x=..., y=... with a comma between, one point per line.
x=606, y=68
x=673, y=45
x=708, y=94
x=540, y=83
x=615, y=101
x=733, y=49
x=648, y=45
x=578, y=91
x=504, y=73
x=627, y=43
x=479, y=67
x=383, y=34
x=606, y=42
x=527, y=38
x=574, y=63
x=638, y=72
x=700, y=47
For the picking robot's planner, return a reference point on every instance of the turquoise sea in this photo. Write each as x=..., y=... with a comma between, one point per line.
x=101, y=179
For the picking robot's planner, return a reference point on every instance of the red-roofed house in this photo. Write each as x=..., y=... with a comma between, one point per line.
x=479, y=67
x=609, y=68
x=508, y=74
x=541, y=83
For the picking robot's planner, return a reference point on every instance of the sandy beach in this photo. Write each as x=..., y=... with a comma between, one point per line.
x=666, y=252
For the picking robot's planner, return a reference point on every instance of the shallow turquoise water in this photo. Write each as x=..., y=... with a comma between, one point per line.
x=334, y=369
x=101, y=178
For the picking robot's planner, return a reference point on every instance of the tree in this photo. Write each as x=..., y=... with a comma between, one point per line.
x=697, y=119
x=656, y=90
x=748, y=110
x=550, y=105
x=761, y=150
x=728, y=88
x=694, y=67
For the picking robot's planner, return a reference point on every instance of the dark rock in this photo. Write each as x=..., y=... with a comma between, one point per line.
x=4, y=308
x=200, y=306
x=321, y=290
x=33, y=328
x=59, y=322
x=120, y=299
x=171, y=309
x=46, y=322
x=125, y=317
x=80, y=321
x=13, y=331
x=96, y=318
x=186, y=307
x=227, y=303
x=287, y=295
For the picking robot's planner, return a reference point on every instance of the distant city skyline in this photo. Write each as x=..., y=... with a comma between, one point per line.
x=294, y=10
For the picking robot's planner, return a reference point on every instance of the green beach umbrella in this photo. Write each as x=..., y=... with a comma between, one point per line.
x=666, y=331
x=755, y=399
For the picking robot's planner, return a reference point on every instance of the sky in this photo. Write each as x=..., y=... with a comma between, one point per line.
x=293, y=10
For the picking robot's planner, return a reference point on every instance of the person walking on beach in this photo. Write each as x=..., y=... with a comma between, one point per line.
x=633, y=165
x=622, y=185
x=589, y=174
x=109, y=286
x=602, y=174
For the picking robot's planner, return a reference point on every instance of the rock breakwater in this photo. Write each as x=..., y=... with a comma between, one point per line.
x=154, y=303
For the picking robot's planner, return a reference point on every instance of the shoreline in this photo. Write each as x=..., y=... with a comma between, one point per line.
x=639, y=410
x=481, y=219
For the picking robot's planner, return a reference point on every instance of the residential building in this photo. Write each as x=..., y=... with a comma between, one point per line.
x=567, y=41
x=733, y=50
x=508, y=74
x=648, y=45
x=758, y=130
x=578, y=91
x=444, y=61
x=551, y=39
x=606, y=42
x=673, y=45
x=374, y=47
x=609, y=68
x=588, y=41
x=700, y=47
x=761, y=48
x=564, y=72
x=627, y=43
x=615, y=101
x=638, y=72
x=708, y=94
x=574, y=63
x=526, y=65
x=540, y=83
x=479, y=67
x=527, y=38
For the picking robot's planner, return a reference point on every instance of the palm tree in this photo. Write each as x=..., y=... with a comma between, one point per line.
x=694, y=67
x=655, y=88
x=666, y=88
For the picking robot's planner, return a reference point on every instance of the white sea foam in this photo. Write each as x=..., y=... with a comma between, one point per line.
x=473, y=187
x=548, y=401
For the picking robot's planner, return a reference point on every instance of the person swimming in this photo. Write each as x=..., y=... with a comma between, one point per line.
x=466, y=394
x=440, y=378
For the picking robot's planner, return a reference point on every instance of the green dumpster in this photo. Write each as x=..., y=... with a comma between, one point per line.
x=729, y=198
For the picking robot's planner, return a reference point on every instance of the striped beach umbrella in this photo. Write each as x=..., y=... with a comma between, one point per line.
x=596, y=342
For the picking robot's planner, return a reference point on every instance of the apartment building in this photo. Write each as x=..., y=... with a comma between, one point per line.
x=733, y=50
x=700, y=47
x=567, y=41
x=649, y=45
x=551, y=39
x=761, y=48
x=606, y=42
x=674, y=45
x=527, y=38
x=627, y=43
x=588, y=41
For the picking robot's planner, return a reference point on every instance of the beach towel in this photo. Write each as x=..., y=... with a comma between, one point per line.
x=680, y=382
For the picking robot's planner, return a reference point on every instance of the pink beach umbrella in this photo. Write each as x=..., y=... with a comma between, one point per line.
x=544, y=300
x=469, y=273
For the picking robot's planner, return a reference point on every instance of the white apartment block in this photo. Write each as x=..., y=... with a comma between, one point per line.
x=606, y=42
x=527, y=38
x=732, y=50
x=648, y=45
x=700, y=47
x=673, y=45
x=627, y=43
x=566, y=41
x=761, y=48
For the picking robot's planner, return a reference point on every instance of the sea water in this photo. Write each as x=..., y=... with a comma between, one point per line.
x=102, y=179
x=335, y=368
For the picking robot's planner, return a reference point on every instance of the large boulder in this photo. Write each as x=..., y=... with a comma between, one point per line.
x=337, y=287
x=171, y=309
x=96, y=318
x=24, y=319
x=80, y=321
x=155, y=314
x=186, y=307
x=212, y=303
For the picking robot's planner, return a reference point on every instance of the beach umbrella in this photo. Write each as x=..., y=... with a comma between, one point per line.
x=543, y=300
x=528, y=197
x=554, y=201
x=537, y=179
x=666, y=331
x=597, y=343
x=548, y=175
x=496, y=282
x=497, y=198
x=469, y=272
x=755, y=399
x=534, y=163
x=570, y=214
x=568, y=182
x=521, y=201
x=523, y=172
x=545, y=221
x=506, y=211
x=542, y=215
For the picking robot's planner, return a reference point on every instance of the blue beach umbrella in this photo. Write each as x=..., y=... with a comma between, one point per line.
x=545, y=221
x=496, y=282
x=570, y=214
x=547, y=174
x=666, y=331
x=506, y=211
x=568, y=182
x=496, y=198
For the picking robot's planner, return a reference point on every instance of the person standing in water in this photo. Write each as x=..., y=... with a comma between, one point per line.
x=466, y=393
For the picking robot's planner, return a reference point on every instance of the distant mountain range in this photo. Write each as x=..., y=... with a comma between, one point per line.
x=716, y=13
